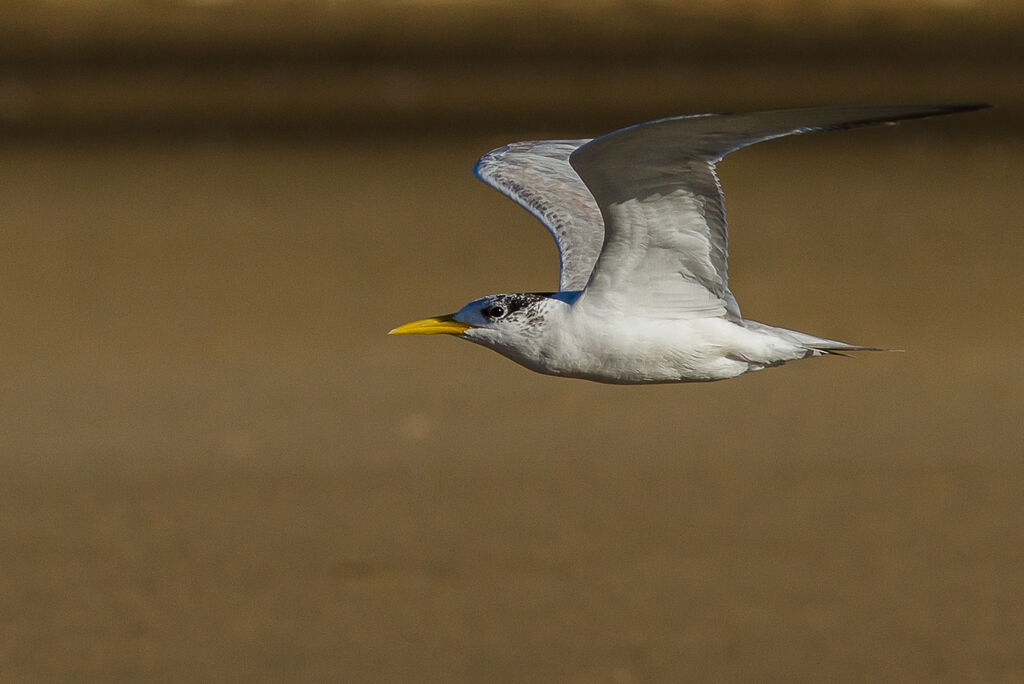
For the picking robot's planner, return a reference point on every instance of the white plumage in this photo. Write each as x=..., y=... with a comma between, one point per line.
x=639, y=219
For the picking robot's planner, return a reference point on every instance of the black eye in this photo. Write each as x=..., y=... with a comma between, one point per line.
x=496, y=311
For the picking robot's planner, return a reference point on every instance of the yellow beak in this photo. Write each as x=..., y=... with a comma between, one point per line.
x=441, y=325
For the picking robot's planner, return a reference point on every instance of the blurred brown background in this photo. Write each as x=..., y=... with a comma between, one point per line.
x=214, y=465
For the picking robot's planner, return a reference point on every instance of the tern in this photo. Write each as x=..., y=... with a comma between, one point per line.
x=638, y=216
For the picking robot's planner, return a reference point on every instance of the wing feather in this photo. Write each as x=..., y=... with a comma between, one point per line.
x=537, y=175
x=666, y=245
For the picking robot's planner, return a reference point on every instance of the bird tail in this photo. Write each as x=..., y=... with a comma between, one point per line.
x=813, y=344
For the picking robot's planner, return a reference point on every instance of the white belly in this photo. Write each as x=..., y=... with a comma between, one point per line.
x=642, y=351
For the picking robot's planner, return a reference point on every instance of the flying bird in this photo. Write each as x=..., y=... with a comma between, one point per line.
x=639, y=219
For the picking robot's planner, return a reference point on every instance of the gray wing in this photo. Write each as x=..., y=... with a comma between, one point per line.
x=537, y=175
x=665, y=245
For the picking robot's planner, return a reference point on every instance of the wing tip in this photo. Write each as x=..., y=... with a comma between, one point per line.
x=966, y=106
x=890, y=115
x=928, y=110
x=950, y=108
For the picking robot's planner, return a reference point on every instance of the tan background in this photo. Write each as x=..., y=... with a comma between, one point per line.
x=214, y=466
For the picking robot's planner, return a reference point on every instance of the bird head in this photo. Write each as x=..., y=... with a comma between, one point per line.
x=504, y=322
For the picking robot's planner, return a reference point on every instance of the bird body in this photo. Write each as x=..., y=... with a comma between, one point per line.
x=558, y=338
x=639, y=219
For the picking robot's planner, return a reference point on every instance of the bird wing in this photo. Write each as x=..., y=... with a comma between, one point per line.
x=537, y=175
x=665, y=243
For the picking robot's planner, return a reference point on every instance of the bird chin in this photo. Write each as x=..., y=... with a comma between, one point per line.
x=499, y=342
x=483, y=336
x=490, y=338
